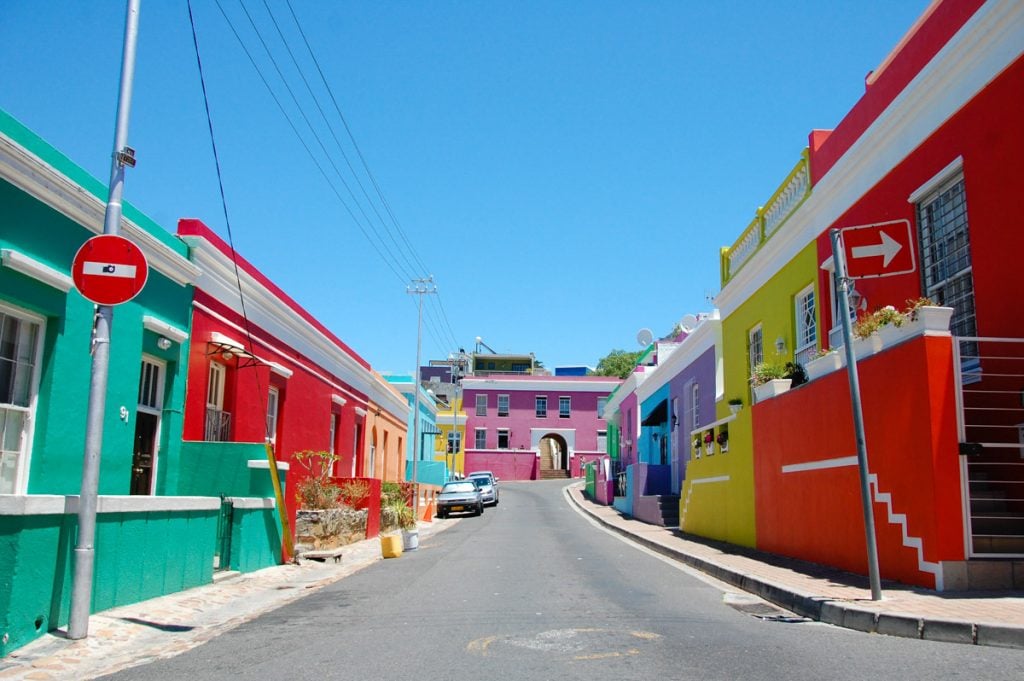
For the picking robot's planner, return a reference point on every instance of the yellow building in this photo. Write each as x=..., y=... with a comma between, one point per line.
x=449, y=446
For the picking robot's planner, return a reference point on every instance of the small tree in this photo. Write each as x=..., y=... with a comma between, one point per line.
x=316, y=491
x=618, y=363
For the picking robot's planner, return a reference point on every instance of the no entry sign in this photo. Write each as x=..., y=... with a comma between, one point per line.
x=880, y=250
x=109, y=270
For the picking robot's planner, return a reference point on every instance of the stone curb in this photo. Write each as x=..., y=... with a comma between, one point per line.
x=823, y=609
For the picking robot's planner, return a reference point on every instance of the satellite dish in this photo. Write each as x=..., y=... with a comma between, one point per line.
x=644, y=337
x=688, y=323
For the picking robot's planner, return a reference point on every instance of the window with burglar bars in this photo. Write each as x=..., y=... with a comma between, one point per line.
x=806, y=325
x=946, y=259
x=755, y=347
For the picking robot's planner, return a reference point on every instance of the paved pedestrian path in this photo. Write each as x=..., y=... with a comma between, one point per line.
x=829, y=595
x=163, y=627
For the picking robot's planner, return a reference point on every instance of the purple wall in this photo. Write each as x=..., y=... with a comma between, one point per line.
x=628, y=410
x=702, y=372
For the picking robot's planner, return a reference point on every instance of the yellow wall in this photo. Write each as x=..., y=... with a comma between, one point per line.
x=724, y=509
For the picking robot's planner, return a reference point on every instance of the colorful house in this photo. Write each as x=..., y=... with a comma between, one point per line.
x=48, y=208
x=430, y=466
x=925, y=156
x=528, y=427
x=263, y=369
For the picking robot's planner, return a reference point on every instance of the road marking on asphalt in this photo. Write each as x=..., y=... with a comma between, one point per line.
x=577, y=643
x=605, y=656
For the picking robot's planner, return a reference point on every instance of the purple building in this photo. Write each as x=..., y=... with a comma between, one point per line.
x=525, y=427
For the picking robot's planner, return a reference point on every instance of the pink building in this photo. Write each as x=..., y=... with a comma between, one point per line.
x=531, y=427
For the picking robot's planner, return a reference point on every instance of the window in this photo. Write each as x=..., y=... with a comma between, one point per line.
x=694, y=405
x=334, y=433
x=564, y=407
x=602, y=441
x=541, y=406
x=502, y=405
x=481, y=405
x=454, y=441
x=218, y=421
x=19, y=341
x=946, y=259
x=602, y=402
x=481, y=438
x=520, y=368
x=503, y=438
x=273, y=401
x=806, y=325
x=755, y=347
x=675, y=413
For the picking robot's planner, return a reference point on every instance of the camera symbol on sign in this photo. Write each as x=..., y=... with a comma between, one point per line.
x=109, y=269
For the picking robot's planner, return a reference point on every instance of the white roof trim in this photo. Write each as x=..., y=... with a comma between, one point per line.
x=30, y=267
x=161, y=327
x=990, y=41
x=482, y=383
x=265, y=464
x=338, y=400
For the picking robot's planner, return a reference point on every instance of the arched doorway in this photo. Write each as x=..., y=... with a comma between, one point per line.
x=554, y=455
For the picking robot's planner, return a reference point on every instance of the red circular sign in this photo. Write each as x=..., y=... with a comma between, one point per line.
x=109, y=270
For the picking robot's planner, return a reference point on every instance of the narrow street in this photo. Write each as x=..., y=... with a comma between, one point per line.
x=534, y=590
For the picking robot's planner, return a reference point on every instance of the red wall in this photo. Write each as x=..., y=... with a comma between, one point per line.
x=305, y=399
x=988, y=134
x=910, y=422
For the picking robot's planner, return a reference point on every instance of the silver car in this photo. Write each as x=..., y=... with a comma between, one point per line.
x=488, y=485
x=460, y=496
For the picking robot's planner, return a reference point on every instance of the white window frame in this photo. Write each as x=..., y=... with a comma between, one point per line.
x=567, y=400
x=694, y=405
x=273, y=412
x=806, y=333
x=536, y=406
x=602, y=403
x=23, y=463
x=161, y=367
x=602, y=441
x=505, y=398
x=335, y=422
x=755, y=346
x=219, y=371
x=478, y=435
x=481, y=404
x=455, y=441
x=507, y=434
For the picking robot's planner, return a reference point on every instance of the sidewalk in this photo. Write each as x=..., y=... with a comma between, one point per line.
x=163, y=627
x=993, y=618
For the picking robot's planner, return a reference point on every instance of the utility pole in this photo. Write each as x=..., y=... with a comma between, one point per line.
x=81, y=585
x=418, y=287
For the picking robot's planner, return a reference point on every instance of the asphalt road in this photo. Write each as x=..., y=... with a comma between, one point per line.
x=534, y=590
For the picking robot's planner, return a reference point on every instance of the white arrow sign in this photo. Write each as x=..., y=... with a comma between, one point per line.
x=887, y=249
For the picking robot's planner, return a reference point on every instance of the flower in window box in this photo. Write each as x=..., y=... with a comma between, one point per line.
x=709, y=442
x=723, y=440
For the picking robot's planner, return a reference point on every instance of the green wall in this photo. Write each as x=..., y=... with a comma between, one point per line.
x=213, y=469
x=140, y=554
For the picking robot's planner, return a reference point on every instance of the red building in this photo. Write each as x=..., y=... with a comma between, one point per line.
x=933, y=146
x=275, y=373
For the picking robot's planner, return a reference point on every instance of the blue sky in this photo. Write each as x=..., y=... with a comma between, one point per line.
x=567, y=171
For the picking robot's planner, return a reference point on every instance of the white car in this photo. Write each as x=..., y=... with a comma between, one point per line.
x=488, y=485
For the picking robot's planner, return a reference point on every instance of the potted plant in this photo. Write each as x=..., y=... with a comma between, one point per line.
x=723, y=439
x=735, y=405
x=709, y=442
x=769, y=379
x=824, y=361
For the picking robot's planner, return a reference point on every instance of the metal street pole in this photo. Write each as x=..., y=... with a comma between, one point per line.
x=419, y=287
x=81, y=585
x=843, y=283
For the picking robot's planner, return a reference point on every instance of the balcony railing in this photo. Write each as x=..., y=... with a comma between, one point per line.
x=218, y=425
x=769, y=218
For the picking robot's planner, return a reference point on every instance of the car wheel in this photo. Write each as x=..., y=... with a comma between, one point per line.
x=480, y=510
x=442, y=514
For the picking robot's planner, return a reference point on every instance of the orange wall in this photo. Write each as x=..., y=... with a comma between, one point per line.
x=910, y=423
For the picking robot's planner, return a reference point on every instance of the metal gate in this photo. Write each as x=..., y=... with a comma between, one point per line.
x=222, y=551
x=990, y=385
